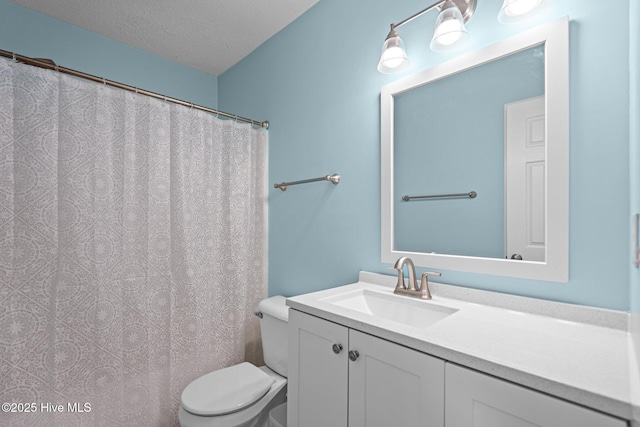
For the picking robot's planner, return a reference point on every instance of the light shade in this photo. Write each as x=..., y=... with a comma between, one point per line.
x=450, y=30
x=393, y=57
x=518, y=10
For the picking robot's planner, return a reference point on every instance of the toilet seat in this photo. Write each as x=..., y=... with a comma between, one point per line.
x=226, y=390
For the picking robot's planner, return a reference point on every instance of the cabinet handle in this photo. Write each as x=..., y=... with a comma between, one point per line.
x=353, y=355
x=337, y=348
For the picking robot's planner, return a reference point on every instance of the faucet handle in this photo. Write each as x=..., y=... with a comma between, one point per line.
x=424, y=284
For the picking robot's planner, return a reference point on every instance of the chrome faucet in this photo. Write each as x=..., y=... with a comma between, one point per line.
x=412, y=274
x=412, y=288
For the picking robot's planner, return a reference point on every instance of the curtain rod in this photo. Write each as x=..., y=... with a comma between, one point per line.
x=48, y=64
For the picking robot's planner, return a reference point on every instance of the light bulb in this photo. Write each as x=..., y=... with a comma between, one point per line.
x=450, y=30
x=393, y=57
x=517, y=10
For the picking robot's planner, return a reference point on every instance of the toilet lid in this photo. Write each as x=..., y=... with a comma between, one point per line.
x=226, y=390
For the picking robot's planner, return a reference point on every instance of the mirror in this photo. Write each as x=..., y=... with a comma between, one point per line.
x=457, y=145
x=475, y=160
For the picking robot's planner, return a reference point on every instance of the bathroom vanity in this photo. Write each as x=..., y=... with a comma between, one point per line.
x=361, y=356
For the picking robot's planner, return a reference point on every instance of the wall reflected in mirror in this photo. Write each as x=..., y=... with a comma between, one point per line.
x=479, y=130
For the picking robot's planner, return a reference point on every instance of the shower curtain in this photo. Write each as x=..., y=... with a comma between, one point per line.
x=132, y=250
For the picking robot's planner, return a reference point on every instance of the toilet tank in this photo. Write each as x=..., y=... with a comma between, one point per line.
x=273, y=328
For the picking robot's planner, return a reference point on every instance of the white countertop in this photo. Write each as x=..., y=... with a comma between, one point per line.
x=580, y=354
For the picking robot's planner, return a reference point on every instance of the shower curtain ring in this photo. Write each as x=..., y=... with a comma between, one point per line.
x=104, y=81
x=14, y=57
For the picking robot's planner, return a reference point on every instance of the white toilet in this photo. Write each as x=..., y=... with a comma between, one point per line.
x=242, y=395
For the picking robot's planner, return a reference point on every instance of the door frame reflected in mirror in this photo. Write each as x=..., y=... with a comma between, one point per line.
x=555, y=39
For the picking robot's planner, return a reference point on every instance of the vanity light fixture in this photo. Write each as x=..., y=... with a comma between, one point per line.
x=518, y=10
x=450, y=32
x=393, y=58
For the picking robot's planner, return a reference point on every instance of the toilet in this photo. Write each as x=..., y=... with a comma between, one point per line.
x=242, y=395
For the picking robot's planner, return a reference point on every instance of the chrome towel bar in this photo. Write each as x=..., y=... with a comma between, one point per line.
x=335, y=178
x=471, y=195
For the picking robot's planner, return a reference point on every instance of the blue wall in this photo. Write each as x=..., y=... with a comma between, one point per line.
x=316, y=81
x=32, y=34
x=317, y=84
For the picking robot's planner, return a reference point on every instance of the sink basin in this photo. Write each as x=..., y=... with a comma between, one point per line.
x=404, y=310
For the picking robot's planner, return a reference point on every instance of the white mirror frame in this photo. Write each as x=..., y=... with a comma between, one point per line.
x=555, y=38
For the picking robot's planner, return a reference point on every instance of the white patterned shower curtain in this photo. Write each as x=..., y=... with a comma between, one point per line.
x=132, y=250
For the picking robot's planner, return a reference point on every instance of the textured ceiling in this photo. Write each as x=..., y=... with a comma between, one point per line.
x=209, y=35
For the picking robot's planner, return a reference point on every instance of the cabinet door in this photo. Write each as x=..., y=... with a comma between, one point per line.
x=478, y=400
x=318, y=375
x=391, y=385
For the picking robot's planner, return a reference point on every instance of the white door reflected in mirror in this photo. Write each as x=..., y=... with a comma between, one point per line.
x=525, y=197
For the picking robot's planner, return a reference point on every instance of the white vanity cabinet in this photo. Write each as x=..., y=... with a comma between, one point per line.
x=455, y=361
x=342, y=377
x=478, y=400
x=318, y=378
